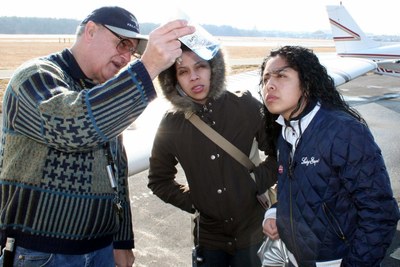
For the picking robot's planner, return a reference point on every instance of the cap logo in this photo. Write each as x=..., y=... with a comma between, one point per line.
x=131, y=25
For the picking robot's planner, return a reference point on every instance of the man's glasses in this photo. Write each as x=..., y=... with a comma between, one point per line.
x=124, y=45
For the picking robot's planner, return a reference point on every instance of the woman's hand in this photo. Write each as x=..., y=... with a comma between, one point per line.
x=270, y=229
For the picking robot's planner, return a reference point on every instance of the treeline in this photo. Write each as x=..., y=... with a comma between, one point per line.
x=17, y=25
x=27, y=25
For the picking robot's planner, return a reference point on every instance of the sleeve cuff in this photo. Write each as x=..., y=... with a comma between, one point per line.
x=269, y=214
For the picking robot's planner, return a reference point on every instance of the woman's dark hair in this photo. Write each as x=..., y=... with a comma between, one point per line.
x=316, y=85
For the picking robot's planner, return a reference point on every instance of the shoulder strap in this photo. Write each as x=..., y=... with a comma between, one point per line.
x=214, y=136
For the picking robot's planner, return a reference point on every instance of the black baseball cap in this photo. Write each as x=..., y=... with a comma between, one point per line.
x=120, y=21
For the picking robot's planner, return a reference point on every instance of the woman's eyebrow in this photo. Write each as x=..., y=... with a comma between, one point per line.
x=280, y=69
x=276, y=71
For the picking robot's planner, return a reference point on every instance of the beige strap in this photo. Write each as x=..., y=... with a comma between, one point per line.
x=220, y=140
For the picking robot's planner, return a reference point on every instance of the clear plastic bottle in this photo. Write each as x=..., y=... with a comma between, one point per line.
x=201, y=42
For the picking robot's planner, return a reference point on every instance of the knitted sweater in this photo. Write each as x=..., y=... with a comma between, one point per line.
x=55, y=193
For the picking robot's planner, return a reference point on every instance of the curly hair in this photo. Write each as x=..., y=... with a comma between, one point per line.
x=315, y=82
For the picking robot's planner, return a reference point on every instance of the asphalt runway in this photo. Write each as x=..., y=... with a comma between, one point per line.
x=163, y=232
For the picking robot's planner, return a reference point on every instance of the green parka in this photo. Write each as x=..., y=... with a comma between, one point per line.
x=218, y=186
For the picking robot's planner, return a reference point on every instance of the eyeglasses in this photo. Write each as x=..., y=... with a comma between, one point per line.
x=124, y=45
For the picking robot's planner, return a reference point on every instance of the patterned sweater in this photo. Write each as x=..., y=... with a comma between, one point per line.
x=55, y=194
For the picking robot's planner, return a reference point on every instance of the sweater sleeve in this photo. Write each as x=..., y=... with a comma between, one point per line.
x=53, y=109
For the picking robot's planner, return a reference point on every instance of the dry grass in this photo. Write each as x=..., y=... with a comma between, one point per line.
x=16, y=51
x=14, y=54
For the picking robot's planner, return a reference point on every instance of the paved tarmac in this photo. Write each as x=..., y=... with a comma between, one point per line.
x=163, y=232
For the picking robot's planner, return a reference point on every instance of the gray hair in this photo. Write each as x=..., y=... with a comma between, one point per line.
x=80, y=29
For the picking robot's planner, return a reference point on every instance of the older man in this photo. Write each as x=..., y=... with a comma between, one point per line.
x=64, y=198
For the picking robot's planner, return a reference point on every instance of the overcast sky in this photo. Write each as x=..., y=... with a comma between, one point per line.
x=376, y=17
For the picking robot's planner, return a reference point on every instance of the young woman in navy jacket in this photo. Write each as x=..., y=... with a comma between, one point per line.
x=335, y=202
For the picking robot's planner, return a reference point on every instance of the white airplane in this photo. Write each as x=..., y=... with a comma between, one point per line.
x=351, y=41
x=138, y=138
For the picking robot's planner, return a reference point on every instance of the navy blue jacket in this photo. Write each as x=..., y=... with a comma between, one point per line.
x=334, y=197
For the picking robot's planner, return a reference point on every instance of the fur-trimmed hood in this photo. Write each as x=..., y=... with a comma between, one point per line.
x=168, y=81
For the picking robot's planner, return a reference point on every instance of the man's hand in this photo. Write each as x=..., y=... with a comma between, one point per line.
x=270, y=229
x=124, y=257
x=163, y=47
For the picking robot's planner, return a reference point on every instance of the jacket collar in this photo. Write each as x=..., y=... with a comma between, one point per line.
x=293, y=132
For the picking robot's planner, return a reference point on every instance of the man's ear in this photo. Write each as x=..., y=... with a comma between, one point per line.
x=90, y=29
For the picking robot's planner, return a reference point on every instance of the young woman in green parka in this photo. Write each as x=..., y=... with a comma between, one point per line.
x=218, y=186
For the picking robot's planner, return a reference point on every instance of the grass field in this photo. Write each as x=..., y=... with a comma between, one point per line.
x=15, y=51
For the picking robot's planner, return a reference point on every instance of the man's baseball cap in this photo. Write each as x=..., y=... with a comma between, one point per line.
x=120, y=21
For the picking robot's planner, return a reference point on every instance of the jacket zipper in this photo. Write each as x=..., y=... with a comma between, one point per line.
x=292, y=222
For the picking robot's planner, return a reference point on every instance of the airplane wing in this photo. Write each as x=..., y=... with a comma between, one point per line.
x=138, y=138
x=343, y=70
